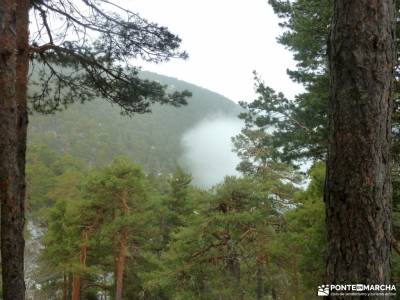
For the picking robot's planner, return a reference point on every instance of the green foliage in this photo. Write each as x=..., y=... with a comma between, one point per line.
x=299, y=250
x=90, y=55
x=53, y=198
x=184, y=243
x=307, y=31
x=243, y=241
x=49, y=176
x=299, y=126
x=221, y=252
x=178, y=202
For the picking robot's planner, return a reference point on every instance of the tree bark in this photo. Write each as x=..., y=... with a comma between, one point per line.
x=22, y=67
x=120, y=257
x=120, y=264
x=13, y=56
x=358, y=186
x=233, y=265
x=76, y=287
x=76, y=282
x=69, y=285
x=65, y=287
x=260, y=286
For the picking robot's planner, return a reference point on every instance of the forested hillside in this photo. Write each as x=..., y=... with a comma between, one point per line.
x=95, y=131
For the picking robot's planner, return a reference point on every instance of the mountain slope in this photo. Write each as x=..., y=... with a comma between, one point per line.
x=95, y=132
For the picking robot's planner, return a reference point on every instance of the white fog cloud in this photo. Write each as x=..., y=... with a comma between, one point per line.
x=208, y=150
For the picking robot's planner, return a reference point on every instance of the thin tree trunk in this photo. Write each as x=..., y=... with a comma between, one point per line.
x=70, y=283
x=122, y=250
x=120, y=264
x=358, y=187
x=13, y=21
x=76, y=282
x=65, y=287
x=273, y=294
x=233, y=265
x=260, y=287
x=76, y=287
x=104, y=288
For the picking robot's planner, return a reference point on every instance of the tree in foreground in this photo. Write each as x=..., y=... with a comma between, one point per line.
x=358, y=187
x=360, y=117
x=77, y=50
x=121, y=193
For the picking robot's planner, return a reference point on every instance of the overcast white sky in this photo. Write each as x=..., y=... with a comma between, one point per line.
x=226, y=40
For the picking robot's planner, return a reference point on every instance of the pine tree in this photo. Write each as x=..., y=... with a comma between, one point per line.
x=222, y=251
x=87, y=56
x=120, y=193
x=300, y=125
x=358, y=186
x=298, y=251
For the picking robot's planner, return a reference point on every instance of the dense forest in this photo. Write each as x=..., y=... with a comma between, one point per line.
x=168, y=239
x=96, y=189
x=179, y=241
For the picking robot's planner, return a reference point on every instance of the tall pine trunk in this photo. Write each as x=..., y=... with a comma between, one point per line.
x=120, y=264
x=65, y=287
x=358, y=186
x=76, y=287
x=121, y=253
x=13, y=125
x=233, y=265
x=260, y=281
x=76, y=282
x=22, y=68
